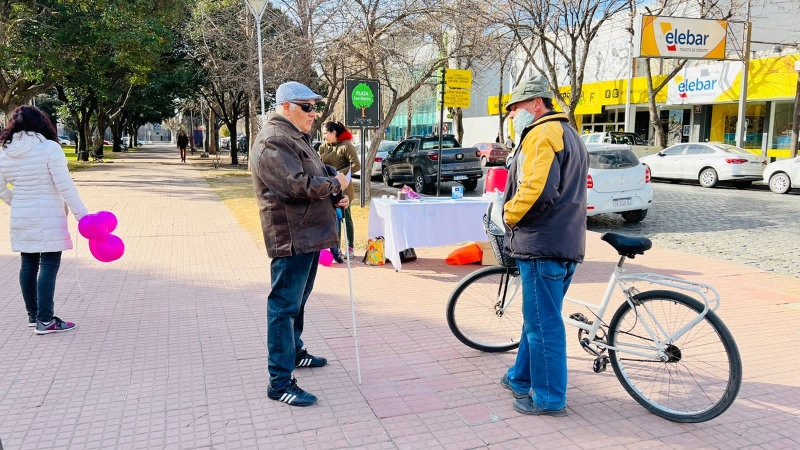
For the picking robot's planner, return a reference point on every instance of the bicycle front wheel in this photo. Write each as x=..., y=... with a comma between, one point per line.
x=702, y=373
x=485, y=309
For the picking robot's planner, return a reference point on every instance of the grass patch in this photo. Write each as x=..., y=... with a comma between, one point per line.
x=235, y=190
x=76, y=166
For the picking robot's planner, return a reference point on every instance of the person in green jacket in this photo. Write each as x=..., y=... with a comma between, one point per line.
x=338, y=151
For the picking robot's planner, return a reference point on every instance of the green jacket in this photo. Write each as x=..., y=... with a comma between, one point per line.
x=342, y=156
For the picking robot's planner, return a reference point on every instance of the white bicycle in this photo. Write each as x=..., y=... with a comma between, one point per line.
x=669, y=350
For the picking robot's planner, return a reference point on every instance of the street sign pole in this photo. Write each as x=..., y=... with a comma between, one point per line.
x=441, y=128
x=364, y=186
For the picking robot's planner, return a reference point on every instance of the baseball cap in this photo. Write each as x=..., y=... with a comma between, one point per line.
x=292, y=91
x=532, y=88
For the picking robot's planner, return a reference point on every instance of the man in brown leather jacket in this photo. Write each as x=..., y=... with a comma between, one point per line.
x=296, y=199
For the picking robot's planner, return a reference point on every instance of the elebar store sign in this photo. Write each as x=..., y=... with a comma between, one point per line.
x=706, y=84
x=679, y=37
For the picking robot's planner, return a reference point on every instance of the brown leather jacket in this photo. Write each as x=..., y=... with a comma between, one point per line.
x=293, y=191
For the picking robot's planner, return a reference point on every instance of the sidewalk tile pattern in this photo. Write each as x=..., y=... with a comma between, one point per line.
x=170, y=349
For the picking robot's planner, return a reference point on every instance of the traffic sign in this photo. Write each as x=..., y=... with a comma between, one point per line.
x=457, y=98
x=458, y=78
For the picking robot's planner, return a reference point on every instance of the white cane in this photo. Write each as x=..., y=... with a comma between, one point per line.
x=350, y=282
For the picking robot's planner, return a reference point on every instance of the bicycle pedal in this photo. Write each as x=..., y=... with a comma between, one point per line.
x=580, y=318
x=599, y=365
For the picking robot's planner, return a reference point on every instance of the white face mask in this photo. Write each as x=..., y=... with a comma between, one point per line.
x=522, y=119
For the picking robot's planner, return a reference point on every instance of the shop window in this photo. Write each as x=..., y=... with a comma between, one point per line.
x=782, y=126
x=753, y=136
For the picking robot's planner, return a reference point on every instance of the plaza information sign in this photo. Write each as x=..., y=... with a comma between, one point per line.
x=457, y=98
x=362, y=103
x=458, y=78
x=362, y=110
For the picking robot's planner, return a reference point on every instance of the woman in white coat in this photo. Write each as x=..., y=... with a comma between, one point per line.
x=33, y=163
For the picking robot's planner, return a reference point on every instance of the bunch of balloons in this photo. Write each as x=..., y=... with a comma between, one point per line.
x=97, y=228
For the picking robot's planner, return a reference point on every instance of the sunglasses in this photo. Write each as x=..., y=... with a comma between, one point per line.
x=306, y=107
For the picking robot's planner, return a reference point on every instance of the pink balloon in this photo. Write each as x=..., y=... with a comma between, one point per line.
x=110, y=248
x=91, y=227
x=325, y=257
x=108, y=220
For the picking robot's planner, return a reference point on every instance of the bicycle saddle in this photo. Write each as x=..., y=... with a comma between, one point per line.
x=627, y=246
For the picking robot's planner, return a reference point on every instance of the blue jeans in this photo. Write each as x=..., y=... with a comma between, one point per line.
x=37, y=278
x=292, y=281
x=541, y=362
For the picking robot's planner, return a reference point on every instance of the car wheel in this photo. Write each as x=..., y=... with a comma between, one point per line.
x=708, y=178
x=742, y=184
x=470, y=185
x=780, y=183
x=386, y=179
x=634, y=216
x=484, y=162
x=419, y=182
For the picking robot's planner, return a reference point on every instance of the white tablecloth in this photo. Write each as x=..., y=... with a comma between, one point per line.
x=428, y=222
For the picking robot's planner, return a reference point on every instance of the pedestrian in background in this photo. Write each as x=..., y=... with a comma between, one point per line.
x=545, y=214
x=339, y=152
x=33, y=162
x=510, y=143
x=296, y=199
x=183, y=142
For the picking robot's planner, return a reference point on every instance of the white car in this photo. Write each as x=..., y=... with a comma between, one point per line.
x=707, y=162
x=783, y=175
x=383, y=150
x=64, y=140
x=617, y=183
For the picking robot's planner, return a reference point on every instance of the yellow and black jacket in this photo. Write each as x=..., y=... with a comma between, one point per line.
x=545, y=198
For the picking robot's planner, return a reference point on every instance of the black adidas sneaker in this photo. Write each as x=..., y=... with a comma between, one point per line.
x=291, y=394
x=304, y=359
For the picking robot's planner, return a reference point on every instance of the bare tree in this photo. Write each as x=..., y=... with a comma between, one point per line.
x=556, y=34
x=704, y=9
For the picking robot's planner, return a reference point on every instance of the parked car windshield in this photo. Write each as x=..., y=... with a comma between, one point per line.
x=446, y=143
x=612, y=159
x=732, y=149
x=386, y=146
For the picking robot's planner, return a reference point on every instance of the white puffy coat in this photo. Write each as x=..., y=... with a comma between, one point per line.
x=37, y=170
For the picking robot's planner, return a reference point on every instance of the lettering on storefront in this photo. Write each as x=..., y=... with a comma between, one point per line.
x=612, y=93
x=698, y=85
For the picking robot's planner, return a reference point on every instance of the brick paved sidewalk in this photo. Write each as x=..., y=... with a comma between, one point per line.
x=170, y=347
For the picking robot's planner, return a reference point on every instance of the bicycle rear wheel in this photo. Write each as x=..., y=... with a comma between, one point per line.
x=703, y=372
x=485, y=309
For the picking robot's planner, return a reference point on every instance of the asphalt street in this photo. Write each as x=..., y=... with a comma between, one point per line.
x=753, y=227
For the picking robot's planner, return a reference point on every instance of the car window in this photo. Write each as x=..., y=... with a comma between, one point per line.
x=387, y=146
x=612, y=159
x=697, y=150
x=675, y=150
x=732, y=149
x=403, y=149
x=594, y=138
x=446, y=143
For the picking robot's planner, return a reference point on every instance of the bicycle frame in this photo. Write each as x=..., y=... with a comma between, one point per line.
x=624, y=282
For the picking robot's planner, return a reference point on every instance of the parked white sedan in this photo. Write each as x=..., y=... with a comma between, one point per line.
x=707, y=162
x=383, y=150
x=617, y=183
x=783, y=175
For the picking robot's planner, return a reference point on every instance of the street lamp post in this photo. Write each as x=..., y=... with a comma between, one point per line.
x=257, y=7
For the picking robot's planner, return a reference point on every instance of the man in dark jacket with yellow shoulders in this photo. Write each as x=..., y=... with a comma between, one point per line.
x=545, y=214
x=298, y=219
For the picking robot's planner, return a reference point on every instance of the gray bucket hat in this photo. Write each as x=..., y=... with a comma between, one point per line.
x=292, y=91
x=533, y=88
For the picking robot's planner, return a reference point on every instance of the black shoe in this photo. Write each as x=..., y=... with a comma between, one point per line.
x=337, y=256
x=303, y=359
x=527, y=406
x=504, y=382
x=291, y=394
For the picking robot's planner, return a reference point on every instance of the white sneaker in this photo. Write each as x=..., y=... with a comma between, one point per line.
x=350, y=253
